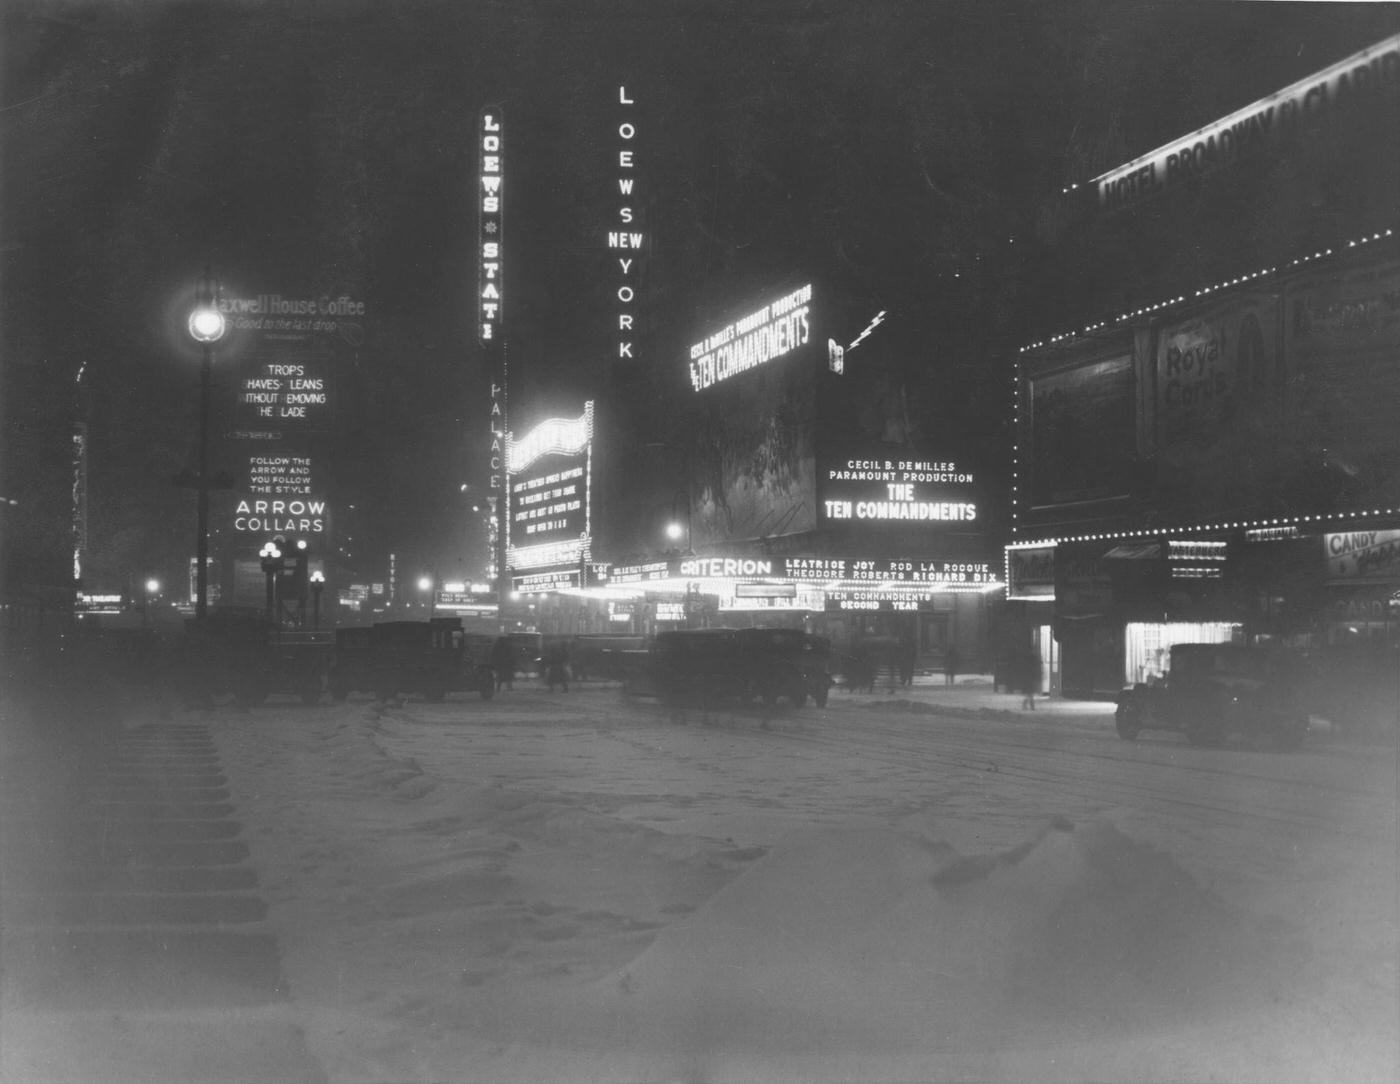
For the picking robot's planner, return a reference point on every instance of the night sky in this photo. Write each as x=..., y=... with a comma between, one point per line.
x=901, y=150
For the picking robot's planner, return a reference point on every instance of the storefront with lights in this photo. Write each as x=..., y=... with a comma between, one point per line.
x=1217, y=457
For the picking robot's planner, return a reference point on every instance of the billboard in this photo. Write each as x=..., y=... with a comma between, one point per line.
x=548, y=481
x=1083, y=432
x=895, y=450
x=289, y=391
x=287, y=352
x=1341, y=339
x=752, y=453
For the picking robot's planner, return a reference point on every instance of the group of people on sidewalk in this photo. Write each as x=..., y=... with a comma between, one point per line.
x=554, y=665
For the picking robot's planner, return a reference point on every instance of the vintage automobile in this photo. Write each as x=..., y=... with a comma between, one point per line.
x=240, y=652
x=1212, y=690
x=711, y=667
x=430, y=658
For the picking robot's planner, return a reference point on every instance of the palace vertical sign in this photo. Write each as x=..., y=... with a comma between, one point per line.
x=490, y=312
x=625, y=241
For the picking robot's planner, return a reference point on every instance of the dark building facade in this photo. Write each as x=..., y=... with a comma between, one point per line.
x=812, y=476
x=1207, y=443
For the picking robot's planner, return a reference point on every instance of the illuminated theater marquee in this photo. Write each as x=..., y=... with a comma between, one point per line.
x=896, y=490
x=548, y=483
x=557, y=436
x=764, y=335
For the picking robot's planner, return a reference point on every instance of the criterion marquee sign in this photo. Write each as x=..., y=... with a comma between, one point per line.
x=899, y=491
x=809, y=570
x=884, y=570
x=766, y=334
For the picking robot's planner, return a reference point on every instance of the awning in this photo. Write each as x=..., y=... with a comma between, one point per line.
x=1135, y=551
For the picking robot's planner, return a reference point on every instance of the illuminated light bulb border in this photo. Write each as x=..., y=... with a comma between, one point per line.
x=1149, y=310
x=1239, y=280
x=725, y=586
x=1224, y=525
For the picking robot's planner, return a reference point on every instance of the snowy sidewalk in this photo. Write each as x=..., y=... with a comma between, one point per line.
x=974, y=694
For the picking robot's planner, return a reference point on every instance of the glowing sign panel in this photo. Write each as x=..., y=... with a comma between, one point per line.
x=557, y=436
x=899, y=491
x=549, y=471
x=491, y=227
x=293, y=392
x=766, y=334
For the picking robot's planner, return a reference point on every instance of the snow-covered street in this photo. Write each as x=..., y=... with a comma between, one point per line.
x=578, y=887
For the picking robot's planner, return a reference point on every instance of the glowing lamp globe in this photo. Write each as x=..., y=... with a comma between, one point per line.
x=206, y=325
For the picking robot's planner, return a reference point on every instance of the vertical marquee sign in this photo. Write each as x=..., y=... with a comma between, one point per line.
x=489, y=294
x=489, y=314
x=627, y=239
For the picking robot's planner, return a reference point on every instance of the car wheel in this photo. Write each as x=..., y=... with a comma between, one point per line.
x=1125, y=719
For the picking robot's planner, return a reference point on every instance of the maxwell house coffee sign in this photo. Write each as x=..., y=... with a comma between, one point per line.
x=1363, y=556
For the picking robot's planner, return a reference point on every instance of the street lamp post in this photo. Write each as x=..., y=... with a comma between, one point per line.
x=318, y=583
x=206, y=327
x=152, y=589
x=271, y=565
x=677, y=529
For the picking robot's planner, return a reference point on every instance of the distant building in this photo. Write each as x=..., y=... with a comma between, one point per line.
x=1207, y=437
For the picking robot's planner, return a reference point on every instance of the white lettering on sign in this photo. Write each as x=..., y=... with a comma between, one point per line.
x=490, y=228
x=1366, y=80
x=1359, y=554
x=283, y=390
x=770, y=332
x=278, y=515
x=630, y=240
x=718, y=567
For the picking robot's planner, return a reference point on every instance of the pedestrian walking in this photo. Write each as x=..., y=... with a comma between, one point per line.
x=908, y=655
x=950, y=665
x=557, y=665
x=1029, y=676
x=503, y=661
